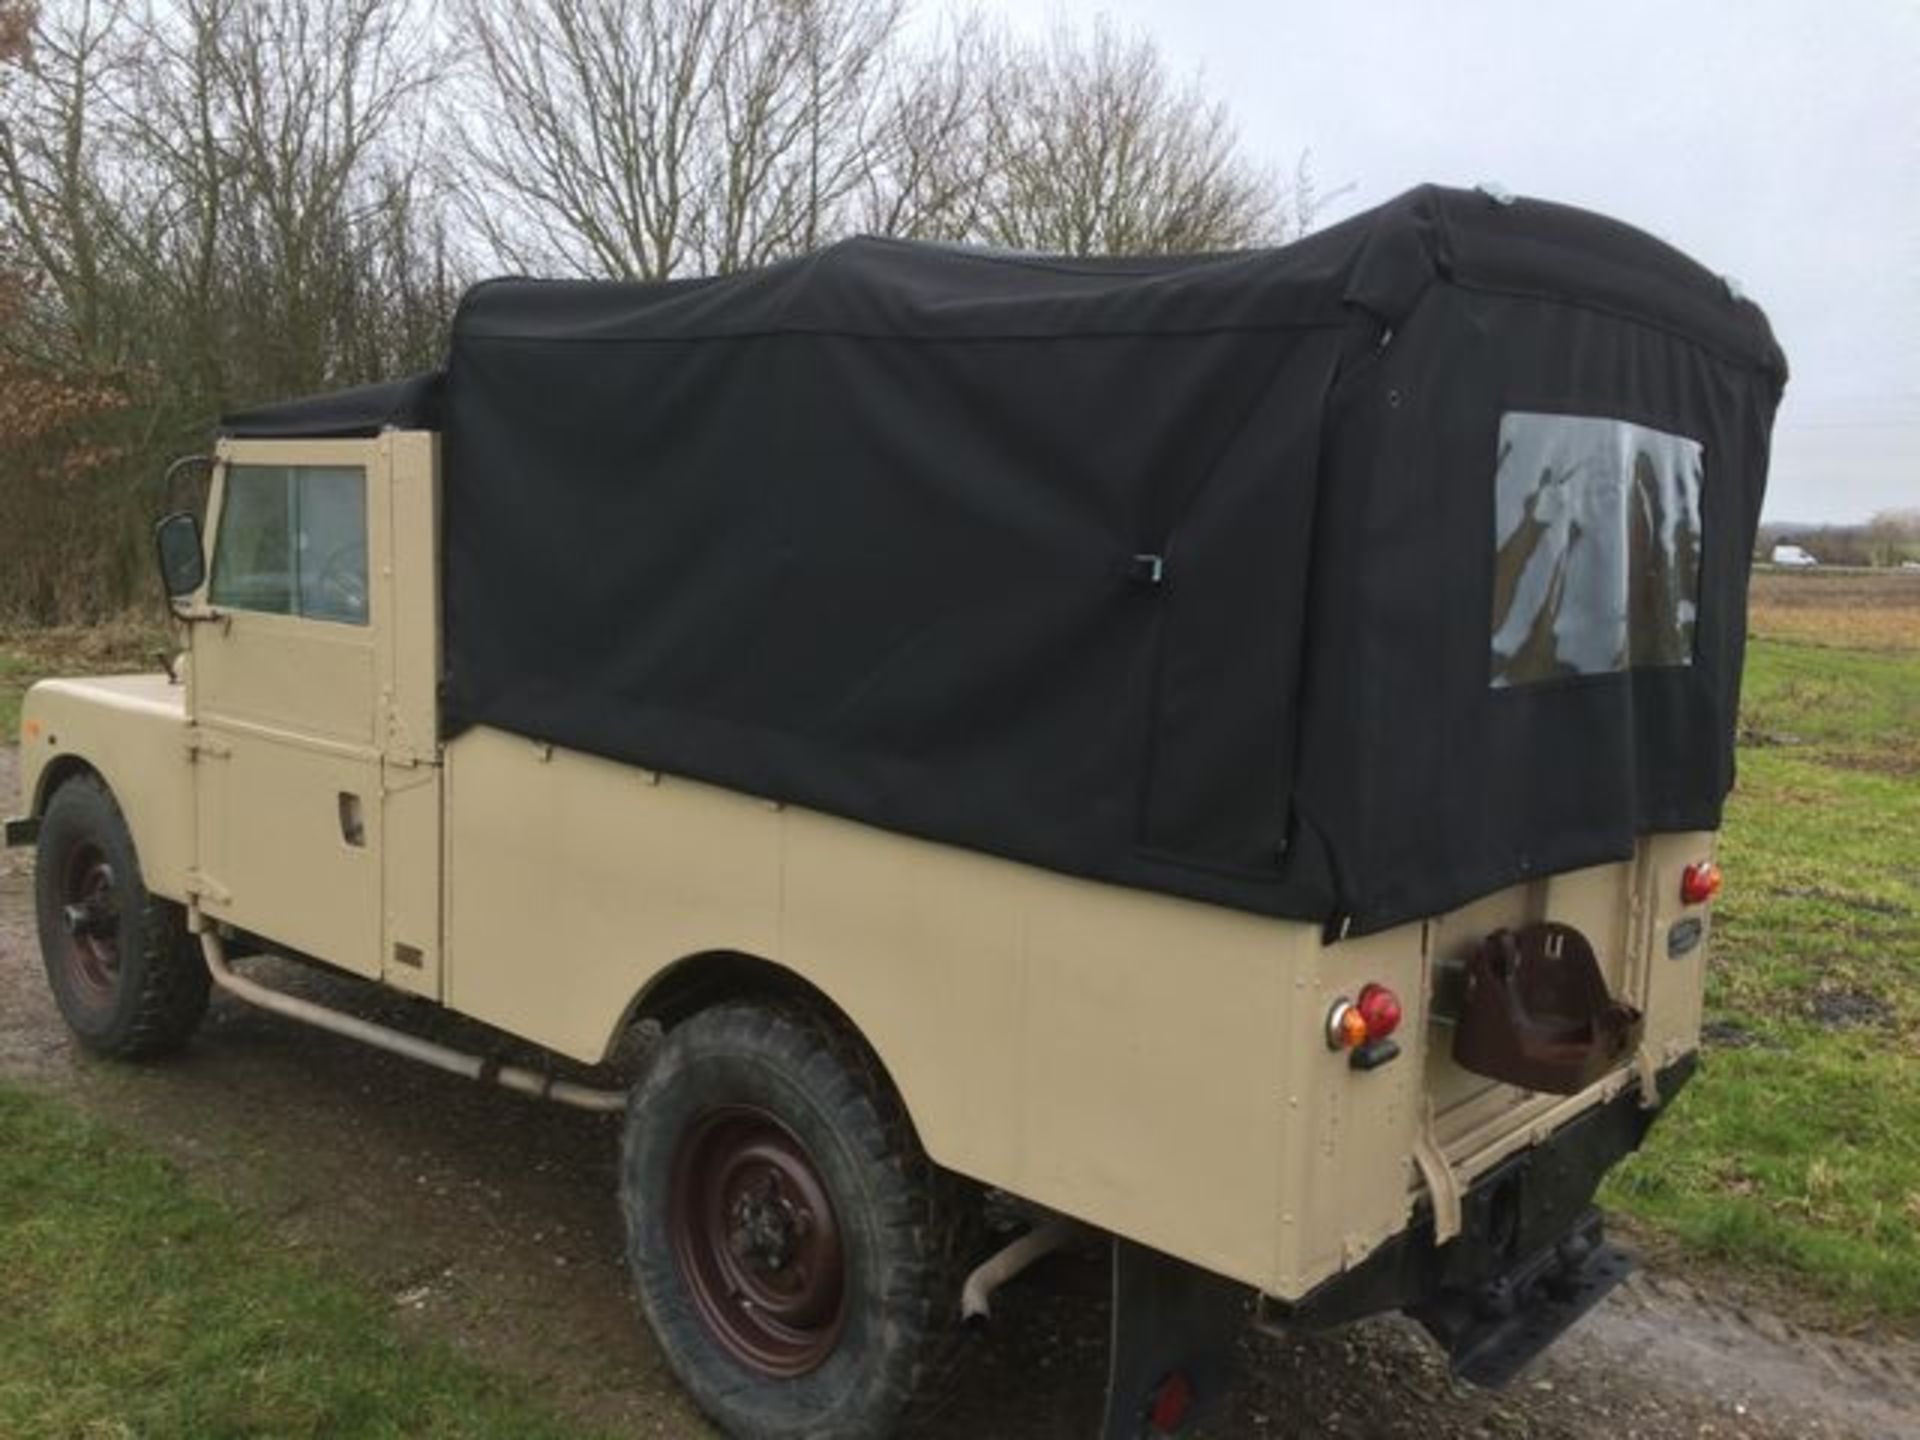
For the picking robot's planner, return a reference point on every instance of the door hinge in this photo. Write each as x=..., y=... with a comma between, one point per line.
x=207, y=891
x=200, y=743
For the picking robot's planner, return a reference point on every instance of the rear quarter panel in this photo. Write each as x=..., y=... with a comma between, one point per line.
x=1113, y=1055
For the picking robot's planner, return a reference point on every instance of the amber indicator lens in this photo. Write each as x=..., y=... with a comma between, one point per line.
x=1699, y=882
x=1346, y=1026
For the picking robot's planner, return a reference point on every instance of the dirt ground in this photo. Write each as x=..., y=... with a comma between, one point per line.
x=489, y=1222
x=1859, y=609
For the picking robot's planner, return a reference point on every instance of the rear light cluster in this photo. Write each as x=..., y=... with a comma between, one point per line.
x=1699, y=882
x=1365, y=1021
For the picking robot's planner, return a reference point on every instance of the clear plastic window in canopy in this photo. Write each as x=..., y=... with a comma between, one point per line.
x=1596, y=545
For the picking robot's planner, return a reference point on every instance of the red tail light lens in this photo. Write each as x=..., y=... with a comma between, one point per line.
x=1699, y=882
x=1380, y=1008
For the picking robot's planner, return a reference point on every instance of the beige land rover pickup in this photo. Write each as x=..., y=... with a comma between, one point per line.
x=1219, y=753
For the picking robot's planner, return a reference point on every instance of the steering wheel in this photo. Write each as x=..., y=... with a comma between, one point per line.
x=343, y=580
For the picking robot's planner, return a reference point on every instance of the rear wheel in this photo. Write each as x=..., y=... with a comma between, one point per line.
x=121, y=965
x=796, y=1253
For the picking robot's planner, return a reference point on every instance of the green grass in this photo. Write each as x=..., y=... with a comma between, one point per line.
x=131, y=1305
x=1797, y=1150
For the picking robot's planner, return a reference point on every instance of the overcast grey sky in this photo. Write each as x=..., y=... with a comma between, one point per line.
x=1777, y=141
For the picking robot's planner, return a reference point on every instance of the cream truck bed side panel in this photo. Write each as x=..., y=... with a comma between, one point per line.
x=1115, y=1055
x=1146, y=1064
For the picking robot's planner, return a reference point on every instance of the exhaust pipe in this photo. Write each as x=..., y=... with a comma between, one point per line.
x=396, y=1042
x=976, y=1294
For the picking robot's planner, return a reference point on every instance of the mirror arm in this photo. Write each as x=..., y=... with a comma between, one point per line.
x=195, y=614
x=172, y=471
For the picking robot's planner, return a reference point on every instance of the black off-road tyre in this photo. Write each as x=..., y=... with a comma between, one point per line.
x=127, y=977
x=751, y=1117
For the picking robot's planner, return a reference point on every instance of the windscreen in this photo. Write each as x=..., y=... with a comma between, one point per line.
x=1597, y=547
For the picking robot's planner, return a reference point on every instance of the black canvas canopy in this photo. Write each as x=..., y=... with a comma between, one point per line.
x=1343, y=581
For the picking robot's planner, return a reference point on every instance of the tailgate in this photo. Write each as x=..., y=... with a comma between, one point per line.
x=1369, y=1149
x=1472, y=1114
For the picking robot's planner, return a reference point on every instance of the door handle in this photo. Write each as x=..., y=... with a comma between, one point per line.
x=353, y=821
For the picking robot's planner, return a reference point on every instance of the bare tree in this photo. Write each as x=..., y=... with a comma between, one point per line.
x=51, y=176
x=63, y=338
x=16, y=29
x=313, y=100
x=1080, y=142
x=794, y=117
x=928, y=160
x=202, y=204
x=1093, y=147
x=208, y=202
x=1893, y=536
x=650, y=138
x=174, y=176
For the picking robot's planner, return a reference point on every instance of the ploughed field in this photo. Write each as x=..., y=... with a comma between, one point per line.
x=280, y=1233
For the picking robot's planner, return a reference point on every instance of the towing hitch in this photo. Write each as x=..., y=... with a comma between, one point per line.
x=1493, y=1330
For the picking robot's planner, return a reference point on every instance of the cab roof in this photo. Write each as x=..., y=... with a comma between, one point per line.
x=412, y=403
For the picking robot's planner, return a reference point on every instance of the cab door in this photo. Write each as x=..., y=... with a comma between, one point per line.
x=285, y=699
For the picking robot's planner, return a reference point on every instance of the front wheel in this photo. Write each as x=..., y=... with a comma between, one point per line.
x=796, y=1253
x=123, y=970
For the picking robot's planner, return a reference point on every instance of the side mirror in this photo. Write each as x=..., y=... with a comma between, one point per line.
x=183, y=561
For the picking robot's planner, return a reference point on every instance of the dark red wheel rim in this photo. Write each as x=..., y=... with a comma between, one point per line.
x=92, y=914
x=757, y=1241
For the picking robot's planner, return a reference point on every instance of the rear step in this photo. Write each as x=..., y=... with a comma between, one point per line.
x=1493, y=1331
